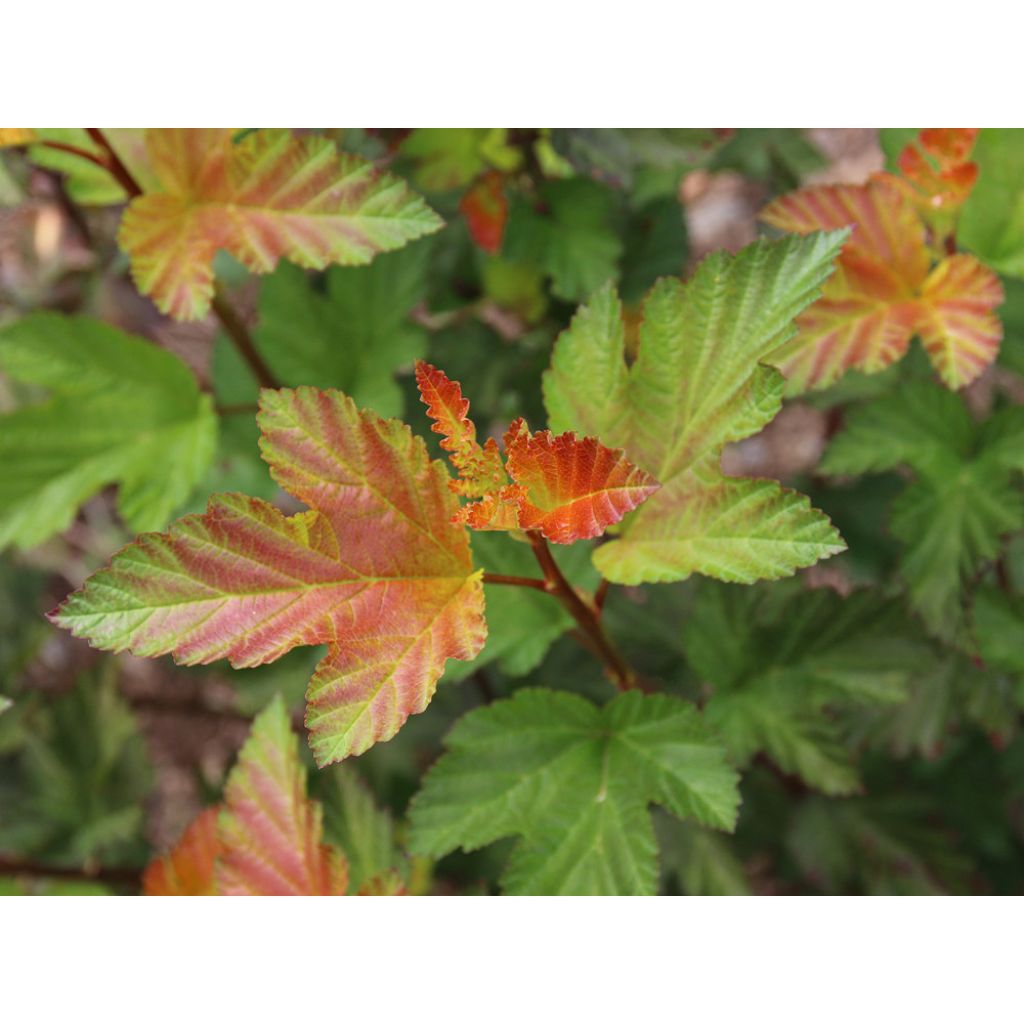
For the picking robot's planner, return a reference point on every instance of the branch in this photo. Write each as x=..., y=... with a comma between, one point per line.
x=586, y=615
x=115, y=876
x=517, y=581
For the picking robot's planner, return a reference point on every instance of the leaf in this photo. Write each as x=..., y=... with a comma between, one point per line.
x=120, y=411
x=485, y=207
x=952, y=518
x=271, y=833
x=267, y=197
x=349, y=334
x=358, y=826
x=480, y=469
x=566, y=488
x=696, y=384
x=885, y=291
x=573, y=489
x=375, y=569
x=936, y=168
x=448, y=158
x=791, y=656
x=571, y=236
x=992, y=219
x=573, y=781
x=702, y=860
x=188, y=869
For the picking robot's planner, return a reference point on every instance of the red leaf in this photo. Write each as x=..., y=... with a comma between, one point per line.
x=485, y=207
x=936, y=168
x=188, y=869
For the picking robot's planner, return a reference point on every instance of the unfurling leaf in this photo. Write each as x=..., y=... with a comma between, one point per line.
x=566, y=488
x=267, y=197
x=697, y=384
x=265, y=839
x=885, y=291
x=485, y=207
x=574, y=782
x=375, y=569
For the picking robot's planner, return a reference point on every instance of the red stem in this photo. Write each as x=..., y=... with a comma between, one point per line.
x=586, y=615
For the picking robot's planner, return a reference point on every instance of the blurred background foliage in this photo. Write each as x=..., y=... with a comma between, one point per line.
x=874, y=701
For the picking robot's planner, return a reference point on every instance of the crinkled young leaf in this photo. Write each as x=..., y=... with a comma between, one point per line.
x=789, y=656
x=271, y=833
x=697, y=384
x=567, y=488
x=572, y=489
x=480, y=469
x=120, y=411
x=885, y=291
x=268, y=197
x=573, y=781
x=375, y=569
x=188, y=870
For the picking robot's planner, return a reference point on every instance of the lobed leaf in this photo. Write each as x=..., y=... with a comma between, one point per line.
x=120, y=411
x=485, y=207
x=573, y=781
x=696, y=384
x=885, y=291
x=375, y=569
x=267, y=197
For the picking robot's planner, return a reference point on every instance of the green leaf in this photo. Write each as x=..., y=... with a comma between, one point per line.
x=783, y=156
x=702, y=860
x=574, y=239
x=354, y=822
x=655, y=246
x=573, y=781
x=449, y=158
x=992, y=219
x=350, y=333
x=120, y=411
x=789, y=658
x=952, y=517
x=698, y=383
x=999, y=626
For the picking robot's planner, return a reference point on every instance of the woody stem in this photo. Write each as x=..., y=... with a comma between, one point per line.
x=585, y=615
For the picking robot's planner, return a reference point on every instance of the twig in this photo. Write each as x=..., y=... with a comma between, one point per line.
x=115, y=876
x=586, y=615
x=517, y=581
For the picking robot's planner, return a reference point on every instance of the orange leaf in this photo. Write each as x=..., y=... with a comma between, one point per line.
x=188, y=869
x=480, y=469
x=574, y=488
x=485, y=207
x=938, y=174
x=267, y=197
x=885, y=291
x=16, y=136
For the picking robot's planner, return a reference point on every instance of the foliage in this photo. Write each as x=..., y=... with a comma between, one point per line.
x=680, y=629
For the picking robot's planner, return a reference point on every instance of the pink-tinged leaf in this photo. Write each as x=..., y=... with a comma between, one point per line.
x=957, y=323
x=375, y=569
x=885, y=291
x=574, y=488
x=480, y=468
x=269, y=196
x=188, y=870
x=271, y=833
x=485, y=207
